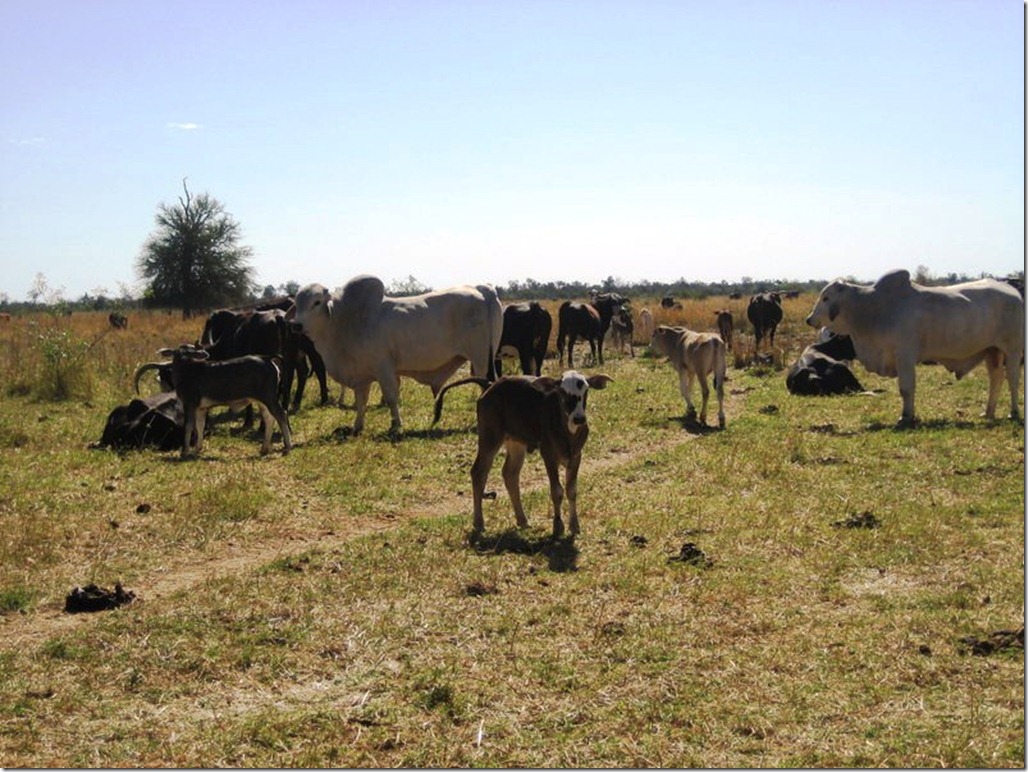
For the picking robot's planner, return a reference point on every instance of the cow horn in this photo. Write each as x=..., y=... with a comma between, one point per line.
x=143, y=368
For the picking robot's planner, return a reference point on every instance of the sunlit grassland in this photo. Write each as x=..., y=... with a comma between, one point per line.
x=326, y=608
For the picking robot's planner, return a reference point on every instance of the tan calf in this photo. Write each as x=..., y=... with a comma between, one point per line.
x=694, y=355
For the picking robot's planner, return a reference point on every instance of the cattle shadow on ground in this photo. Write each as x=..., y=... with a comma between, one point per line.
x=692, y=425
x=561, y=552
x=933, y=424
x=344, y=433
x=422, y=434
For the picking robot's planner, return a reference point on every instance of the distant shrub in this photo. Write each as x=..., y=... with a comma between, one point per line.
x=63, y=372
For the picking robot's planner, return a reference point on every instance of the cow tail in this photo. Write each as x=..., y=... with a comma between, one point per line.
x=492, y=375
x=484, y=383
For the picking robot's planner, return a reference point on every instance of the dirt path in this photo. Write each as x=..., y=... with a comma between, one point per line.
x=19, y=631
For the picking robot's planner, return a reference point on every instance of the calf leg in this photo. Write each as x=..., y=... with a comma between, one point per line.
x=282, y=419
x=302, y=372
x=201, y=425
x=479, y=474
x=704, y=395
x=190, y=426
x=719, y=390
x=685, y=387
x=556, y=494
x=512, y=479
x=571, y=485
x=268, y=428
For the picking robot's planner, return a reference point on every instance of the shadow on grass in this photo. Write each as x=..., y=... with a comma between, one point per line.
x=934, y=424
x=423, y=434
x=561, y=552
x=691, y=425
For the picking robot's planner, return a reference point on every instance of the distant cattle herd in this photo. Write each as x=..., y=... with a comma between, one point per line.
x=360, y=336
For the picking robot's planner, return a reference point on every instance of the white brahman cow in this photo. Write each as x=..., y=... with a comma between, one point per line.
x=694, y=355
x=896, y=324
x=364, y=336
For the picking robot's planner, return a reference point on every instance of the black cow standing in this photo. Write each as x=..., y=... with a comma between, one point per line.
x=574, y=321
x=764, y=313
x=526, y=328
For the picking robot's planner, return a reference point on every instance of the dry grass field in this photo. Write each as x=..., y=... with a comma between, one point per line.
x=327, y=609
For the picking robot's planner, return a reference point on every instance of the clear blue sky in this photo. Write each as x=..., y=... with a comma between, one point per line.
x=490, y=140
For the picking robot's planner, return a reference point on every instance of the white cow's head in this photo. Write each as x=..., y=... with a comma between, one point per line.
x=829, y=305
x=312, y=304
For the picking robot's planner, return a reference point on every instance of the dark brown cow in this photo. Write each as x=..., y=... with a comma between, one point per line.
x=574, y=321
x=725, y=326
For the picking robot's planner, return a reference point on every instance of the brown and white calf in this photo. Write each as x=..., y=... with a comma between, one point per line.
x=694, y=355
x=523, y=414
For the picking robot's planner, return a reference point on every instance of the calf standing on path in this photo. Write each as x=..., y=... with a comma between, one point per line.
x=523, y=414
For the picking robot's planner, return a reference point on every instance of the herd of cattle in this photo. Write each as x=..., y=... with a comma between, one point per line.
x=359, y=335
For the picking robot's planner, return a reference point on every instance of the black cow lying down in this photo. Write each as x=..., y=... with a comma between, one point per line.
x=821, y=369
x=156, y=421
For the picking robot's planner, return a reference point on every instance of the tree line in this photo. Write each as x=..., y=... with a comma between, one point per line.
x=193, y=261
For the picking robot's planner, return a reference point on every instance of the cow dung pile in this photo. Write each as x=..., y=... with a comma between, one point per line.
x=863, y=520
x=94, y=598
x=995, y=642
x=692, y=555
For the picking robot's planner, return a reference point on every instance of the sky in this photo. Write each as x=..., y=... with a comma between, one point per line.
x=469, y=141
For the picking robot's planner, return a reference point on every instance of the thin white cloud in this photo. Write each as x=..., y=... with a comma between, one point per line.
x=27, y=141
x=185, y=126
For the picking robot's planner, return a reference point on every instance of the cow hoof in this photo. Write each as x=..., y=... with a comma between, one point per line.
x=907, y=423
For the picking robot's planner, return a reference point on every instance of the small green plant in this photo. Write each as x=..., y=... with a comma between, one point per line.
x=14, y=599
x=64, y=373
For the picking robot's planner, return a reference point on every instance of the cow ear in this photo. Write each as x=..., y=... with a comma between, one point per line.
x=599, y=381
x=544, y=383
x=165, y=352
